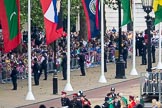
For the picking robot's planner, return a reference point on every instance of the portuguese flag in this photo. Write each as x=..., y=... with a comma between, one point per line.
x=158, y=11
x=10, y=22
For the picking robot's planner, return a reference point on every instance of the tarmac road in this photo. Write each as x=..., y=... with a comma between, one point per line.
x=96, y=95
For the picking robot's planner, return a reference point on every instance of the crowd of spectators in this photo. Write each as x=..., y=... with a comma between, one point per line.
x=91, y=50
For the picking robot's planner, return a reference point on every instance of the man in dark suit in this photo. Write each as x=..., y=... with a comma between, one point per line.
x=125, y=54
x=144, y=48
x=43, y=66
x=153, y=53
x=64, y=66
x=81, y=63
x=35, y=71
x=105, y=60
x=14, y=78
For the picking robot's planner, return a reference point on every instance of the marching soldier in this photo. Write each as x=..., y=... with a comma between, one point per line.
x=75, y=103
x=65, y=102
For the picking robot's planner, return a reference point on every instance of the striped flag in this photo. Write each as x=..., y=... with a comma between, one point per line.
x=91, y=10
x=52, y=19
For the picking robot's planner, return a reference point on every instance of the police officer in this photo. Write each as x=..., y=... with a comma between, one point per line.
x=65, y=102
x=153, y=53
x=105, y=60
x=75, y=103
x=43, y=66
x=64, y=66
x=36, y=71
x=14, y=78
x=125, y=54
x=144, y=48
x=81, y=63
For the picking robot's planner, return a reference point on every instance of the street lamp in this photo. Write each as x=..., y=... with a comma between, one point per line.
x=120, y=64
x=147, y=7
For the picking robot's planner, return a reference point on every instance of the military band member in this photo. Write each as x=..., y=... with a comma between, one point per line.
x=65, y=102
x=75, y=103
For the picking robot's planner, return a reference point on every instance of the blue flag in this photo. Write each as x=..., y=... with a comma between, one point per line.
x=91, y=10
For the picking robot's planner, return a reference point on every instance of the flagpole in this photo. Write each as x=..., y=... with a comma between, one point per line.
x=102, y=77
x=134, y=71
x=30, y=95
x=68, y=86
x=159, y=66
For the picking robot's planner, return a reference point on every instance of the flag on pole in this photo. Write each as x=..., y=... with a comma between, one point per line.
x=10, y=21
x=92, y=17
x=126, y=5
x=157, y=6
x=52, y=19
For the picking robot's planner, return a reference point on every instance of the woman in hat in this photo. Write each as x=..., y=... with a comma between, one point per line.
x=132, y=103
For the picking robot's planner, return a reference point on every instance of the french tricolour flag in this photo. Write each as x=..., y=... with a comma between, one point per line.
x=52, y=19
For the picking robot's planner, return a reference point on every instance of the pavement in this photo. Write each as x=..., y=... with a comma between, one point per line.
x=44, y=92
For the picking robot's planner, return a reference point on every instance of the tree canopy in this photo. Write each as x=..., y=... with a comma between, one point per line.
x=37, y=15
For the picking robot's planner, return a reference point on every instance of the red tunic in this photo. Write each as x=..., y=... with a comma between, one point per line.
x=132, y=104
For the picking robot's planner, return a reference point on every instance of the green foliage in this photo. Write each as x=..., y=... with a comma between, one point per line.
x=37, y=15
x=112, y=4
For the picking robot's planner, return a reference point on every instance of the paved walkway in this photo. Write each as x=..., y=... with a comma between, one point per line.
x=43, y=92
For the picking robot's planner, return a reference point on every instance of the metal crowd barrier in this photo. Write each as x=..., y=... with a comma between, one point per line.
x=5, y=76
x=50, y=67
x=151, y=86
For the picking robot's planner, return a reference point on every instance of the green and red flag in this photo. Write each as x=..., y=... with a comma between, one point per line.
x=158, y=11
x=126, y=5
x=10, y=22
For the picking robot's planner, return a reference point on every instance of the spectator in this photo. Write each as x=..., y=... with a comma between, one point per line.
x=132, y=103
x=97, y=106
x=138, y=104
x=123, y=100
x=42, y=106
x=116, y=103
x=155, y=104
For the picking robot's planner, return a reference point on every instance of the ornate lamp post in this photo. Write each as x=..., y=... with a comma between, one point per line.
x=147, y=7
x=120, y=64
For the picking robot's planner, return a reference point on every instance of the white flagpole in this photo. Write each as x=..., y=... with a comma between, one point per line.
x=159, y=66
x=102, y=77
x=68, y=86
x=134, y=71
x=30, y=95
